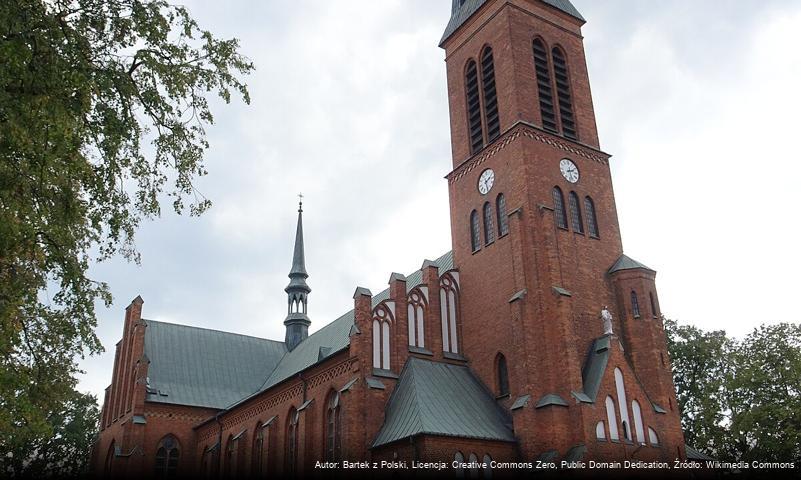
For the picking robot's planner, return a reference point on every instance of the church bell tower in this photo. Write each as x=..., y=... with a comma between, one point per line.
x=537, y=241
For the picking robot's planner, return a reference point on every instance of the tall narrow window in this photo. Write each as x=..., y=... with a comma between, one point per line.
x=654, y=312
x=653, y=438
x=503, y=376
x=547, y=111
x=559, y=212
x=475, y=232
x=473, y=107
x=490, y=95
x=458, y=459
x=449, y=298
x=623, y=404
x=563, y=93
x=167, y=457
x=292, y=441
x=600, y=431
x=575, y=213
x=637, y=412
x=611, y=418
x=258, y=449
x=489, y=228
x=416, y=315
x=333, y=428
x=592, y=220
x=381, y=350
x=635, y=305
x=230, y=456
x=503, y=220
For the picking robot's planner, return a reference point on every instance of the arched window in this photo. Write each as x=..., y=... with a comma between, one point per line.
x=503, y=220
x=635, y=410
x=333, y=428
x=623, y=403
x=575, y=213
x=292, y=441
x=259, y=448
x=592, y=220
x=611, y=418
x=654, y=311
x=635, y=305
x=475, y=239
x=473, y=460
x=167, y=453
x=416, y=315
x=490, y=95
x=487, y=460
x=473, y=107
x=544, y=89
x=230, y=456
x=503, y=375
x=563, y=94
x=559, y=208
x=600, y=431
x=459, y=458
x=489, y=228
x=653, y=438
x=109, y=464
x=381, y=349
x=449, y=303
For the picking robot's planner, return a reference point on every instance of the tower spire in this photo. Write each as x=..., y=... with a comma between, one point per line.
x=297, y=321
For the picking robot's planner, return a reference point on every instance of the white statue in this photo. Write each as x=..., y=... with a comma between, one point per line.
x=606, y=317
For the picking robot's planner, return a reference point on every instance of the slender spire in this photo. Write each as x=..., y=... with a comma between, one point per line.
x=297, y=321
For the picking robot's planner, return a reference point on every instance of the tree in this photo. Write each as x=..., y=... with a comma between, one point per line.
x=740, y=399
x=103, y=112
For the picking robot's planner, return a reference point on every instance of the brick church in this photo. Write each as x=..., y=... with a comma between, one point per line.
x=534, y=338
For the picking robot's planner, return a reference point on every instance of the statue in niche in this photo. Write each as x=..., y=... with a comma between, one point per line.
x=606, y=318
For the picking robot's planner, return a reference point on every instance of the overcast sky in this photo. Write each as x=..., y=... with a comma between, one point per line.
x=697, y=102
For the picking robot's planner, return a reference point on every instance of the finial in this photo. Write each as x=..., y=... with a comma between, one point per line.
x=300, y=203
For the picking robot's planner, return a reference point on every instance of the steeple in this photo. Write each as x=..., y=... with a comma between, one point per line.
x=297, y=322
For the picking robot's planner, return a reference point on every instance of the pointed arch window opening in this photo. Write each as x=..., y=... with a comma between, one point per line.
x=333, y=436
x=474, y=125
x=592, y=219
x=563, y=94
x=475, y=232
x=560, y=214
x=416, y=318
x=620, y=387
x=260, y=448
x=544, y=89
x=489, y=227
x=292, y=440
x=635, y=305
x=381, y=338
x=575, y=214
x=502, y=375
x=611, y=418
x=449, y=298
x=167, y=455
x=491, y=117
x=503, y=219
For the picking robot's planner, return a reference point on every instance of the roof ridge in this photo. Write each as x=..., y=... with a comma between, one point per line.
x=212, y=330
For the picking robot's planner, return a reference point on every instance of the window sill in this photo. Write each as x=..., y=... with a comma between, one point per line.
x=476, y=251
x=488, y=244
x=380, y=372
x=421, y=351
x=595, y=237
x=500, y=236
x=453, y=356
x=504, y=396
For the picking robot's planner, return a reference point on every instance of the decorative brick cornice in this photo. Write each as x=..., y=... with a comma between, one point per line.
x=529, y=131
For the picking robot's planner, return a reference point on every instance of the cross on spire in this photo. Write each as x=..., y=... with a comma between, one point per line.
x=300, y=202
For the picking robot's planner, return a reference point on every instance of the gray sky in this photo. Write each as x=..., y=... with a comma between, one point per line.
x=697, y=102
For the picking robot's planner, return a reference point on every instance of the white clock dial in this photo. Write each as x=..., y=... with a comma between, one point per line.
x=569, y=170
x=486, y=181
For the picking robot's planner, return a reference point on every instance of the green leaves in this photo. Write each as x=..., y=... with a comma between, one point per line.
x=103, y=112
x=740, y=399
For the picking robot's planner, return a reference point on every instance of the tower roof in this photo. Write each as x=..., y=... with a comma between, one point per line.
x=627, y=263
x=464, y=9
x=299, y=257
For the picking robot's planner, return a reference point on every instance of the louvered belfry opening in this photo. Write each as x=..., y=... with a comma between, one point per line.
x=563, y=93
x=491, y=117
x=544, y=87
x=473, y=108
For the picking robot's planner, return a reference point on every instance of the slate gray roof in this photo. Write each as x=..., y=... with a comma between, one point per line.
x=595, y=366
x=442, y=399
x=460, y=14
x=205, y=368
x=627, y=263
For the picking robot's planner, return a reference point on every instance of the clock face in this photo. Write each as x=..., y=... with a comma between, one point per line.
x=486, y=181
x=569, y=170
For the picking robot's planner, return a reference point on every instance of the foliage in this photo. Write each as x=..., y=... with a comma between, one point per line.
x=740, y=399
x=85, y=85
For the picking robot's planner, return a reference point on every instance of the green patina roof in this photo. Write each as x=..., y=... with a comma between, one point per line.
x=209, y=368
x=205, y=368
x=442, y=399
x=693, y=454
x=462, y=10
x=627, y=263
x=595, y=366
